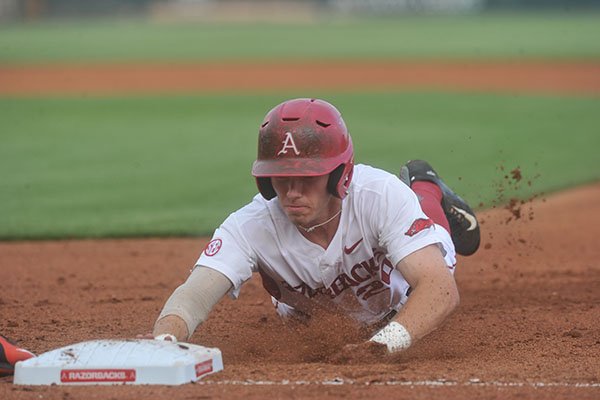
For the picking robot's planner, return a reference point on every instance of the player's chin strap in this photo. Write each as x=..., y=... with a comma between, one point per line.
x=394, y=336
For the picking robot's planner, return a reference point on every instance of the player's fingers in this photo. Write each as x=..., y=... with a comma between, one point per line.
x=144, y=336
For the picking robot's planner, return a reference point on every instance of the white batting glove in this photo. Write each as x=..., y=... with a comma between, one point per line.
x=394, y=336
x=167, y=337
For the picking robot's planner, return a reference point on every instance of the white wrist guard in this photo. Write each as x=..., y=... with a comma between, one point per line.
x=167, y=337
x=394, y=336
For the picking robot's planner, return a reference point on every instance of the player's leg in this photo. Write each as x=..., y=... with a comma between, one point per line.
x=9, y=355
x=430, y=197
x=442, y=205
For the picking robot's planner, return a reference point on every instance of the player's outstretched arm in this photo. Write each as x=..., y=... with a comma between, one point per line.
x=433, y=298
x=190, y=303
x=171, y=325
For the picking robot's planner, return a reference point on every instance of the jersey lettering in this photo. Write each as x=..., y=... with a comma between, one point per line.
x=371, y=289
x=359, y=277
x=370, y=277
x=307, y=291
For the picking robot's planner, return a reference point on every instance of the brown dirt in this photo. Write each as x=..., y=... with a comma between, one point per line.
x=559, y=77
x=528, y=325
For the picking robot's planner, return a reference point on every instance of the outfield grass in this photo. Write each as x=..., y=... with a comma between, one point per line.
x=180, y=165
x=533, y=35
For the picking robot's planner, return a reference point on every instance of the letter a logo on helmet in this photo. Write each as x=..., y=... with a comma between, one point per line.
x=304, y=137
x=288, y=143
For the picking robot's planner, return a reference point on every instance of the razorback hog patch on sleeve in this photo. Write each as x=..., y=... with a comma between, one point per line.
x=418, y=225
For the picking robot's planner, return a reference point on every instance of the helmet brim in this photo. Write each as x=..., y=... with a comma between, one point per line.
x=294, y=167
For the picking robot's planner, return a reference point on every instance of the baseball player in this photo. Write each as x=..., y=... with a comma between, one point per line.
x=325, y=234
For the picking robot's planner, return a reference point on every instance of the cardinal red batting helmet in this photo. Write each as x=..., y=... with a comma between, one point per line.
x=304, y=137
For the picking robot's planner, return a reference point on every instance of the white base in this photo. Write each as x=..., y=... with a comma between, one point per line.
x=116, y=362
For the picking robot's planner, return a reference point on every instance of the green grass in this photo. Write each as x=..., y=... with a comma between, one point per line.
x=179, y=165
x=535, y=35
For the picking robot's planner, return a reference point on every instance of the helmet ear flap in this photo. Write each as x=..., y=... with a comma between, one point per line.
x=265, y=187
x=339, y=180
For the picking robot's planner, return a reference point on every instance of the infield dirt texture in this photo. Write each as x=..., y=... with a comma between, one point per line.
x=528, y=325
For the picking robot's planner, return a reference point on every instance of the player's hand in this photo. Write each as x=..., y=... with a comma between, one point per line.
x=394, y=336
x=166, y=337
x=145, y=336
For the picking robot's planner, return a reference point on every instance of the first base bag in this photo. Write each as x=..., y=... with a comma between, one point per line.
x=111, y=362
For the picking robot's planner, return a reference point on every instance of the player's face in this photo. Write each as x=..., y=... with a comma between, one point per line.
x=304, y=199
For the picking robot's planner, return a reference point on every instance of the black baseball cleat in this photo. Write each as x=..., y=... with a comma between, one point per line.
x=464, y=228
x=10, y=354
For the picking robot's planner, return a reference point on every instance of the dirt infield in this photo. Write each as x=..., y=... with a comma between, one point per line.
x=528, y=324
x=558, y=77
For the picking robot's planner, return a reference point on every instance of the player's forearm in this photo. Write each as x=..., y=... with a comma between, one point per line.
x=171, y=325
x=432, y=300
x=190, y=303
x=428, y=306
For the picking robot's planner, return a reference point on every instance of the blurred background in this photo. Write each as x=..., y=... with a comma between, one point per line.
x=28, y=10
x=140, y=117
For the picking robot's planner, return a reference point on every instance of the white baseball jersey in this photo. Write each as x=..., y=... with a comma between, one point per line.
x=381, y=223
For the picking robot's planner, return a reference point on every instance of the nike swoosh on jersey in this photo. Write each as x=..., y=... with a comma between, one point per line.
x=350, y=249
x=468, y=217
